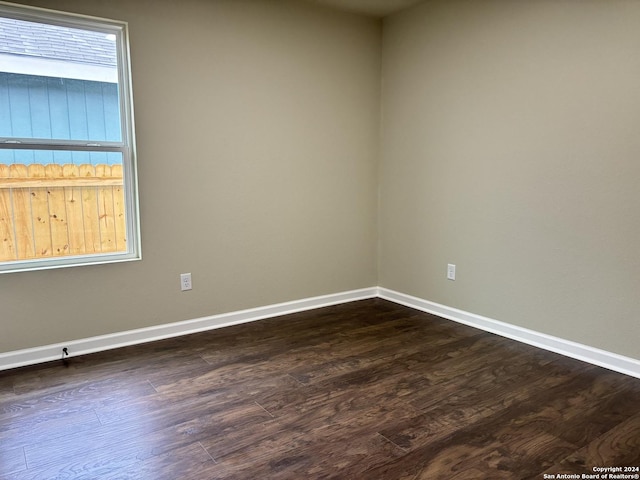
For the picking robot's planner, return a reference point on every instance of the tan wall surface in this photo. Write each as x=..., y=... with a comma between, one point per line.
x=262, y=118
x=511, y=149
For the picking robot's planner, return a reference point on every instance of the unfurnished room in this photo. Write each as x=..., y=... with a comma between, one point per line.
x=313, y=239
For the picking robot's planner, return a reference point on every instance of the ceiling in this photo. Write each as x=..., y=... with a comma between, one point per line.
x=377, y=8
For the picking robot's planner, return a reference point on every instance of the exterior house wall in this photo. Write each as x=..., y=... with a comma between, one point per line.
x=61, y=108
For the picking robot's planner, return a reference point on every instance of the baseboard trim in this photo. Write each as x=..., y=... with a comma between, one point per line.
x=32, y=356
x=602, y=358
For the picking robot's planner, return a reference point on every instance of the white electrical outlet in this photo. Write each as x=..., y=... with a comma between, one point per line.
x=185, y=281
x=451, y=271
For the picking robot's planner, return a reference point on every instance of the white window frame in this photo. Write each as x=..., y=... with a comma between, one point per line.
x=126, y=146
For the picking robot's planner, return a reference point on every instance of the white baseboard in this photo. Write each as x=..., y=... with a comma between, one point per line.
x=612, y=361
x=32, y=356
x=47, y=353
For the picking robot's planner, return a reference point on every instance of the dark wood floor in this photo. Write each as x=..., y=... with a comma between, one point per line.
x=365, y=390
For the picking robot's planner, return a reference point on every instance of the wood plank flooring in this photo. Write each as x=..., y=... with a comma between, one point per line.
x=364, y=390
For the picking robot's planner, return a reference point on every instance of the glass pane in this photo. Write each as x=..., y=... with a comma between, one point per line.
x=51, y=210
x=58, y=83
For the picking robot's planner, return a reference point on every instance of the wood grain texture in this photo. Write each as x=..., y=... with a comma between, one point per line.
x=59, y=210
x=364, y=390
x=22, y=217
x=7, y=234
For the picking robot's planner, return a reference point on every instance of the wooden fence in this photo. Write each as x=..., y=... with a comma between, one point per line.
x=61, y=210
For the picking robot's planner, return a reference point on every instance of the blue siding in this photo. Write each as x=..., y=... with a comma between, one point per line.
x=111, y=110
x=58, y=108
x=19, y=107
x=39, y=107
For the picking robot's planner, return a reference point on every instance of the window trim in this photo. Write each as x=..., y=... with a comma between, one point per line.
x=127, y=145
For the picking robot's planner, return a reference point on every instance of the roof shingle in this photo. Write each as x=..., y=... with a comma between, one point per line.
x=18, y=37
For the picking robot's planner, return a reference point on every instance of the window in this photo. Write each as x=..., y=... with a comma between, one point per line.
x=68, y=192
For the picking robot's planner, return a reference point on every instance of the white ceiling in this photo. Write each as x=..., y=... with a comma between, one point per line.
x=378, y=8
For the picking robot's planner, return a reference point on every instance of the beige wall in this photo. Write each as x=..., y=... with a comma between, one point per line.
x=257, y=125
x=511, y=149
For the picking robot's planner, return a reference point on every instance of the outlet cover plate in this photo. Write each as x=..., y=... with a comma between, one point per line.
x=185, y=282
x=451, y=271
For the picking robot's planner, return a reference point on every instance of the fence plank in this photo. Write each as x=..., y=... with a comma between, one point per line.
x=119, y=211
x=75, y=220
x=7, y=238
x=57, y=182
x=57, y=214
x=90, y=213
x=22, y=216
x=106, y=212
x=40, y=212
